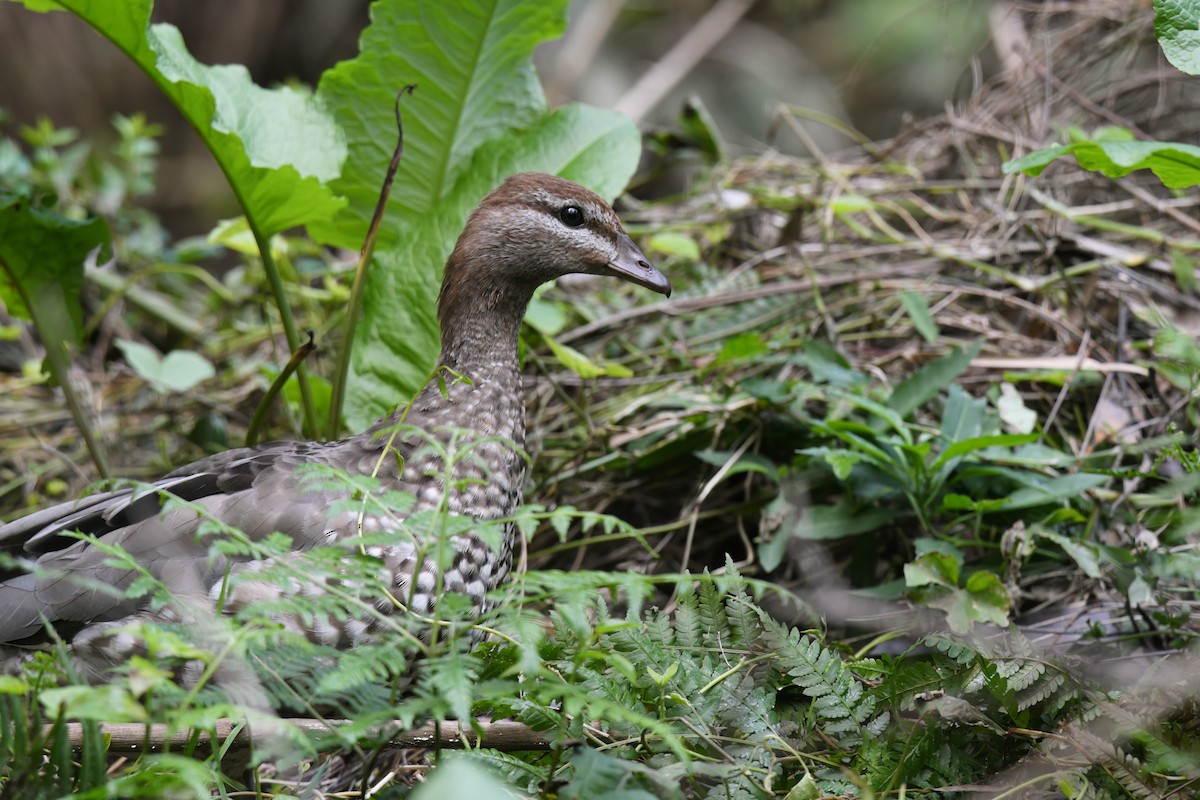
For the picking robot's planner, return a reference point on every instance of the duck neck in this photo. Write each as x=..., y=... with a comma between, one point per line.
x=480, y=342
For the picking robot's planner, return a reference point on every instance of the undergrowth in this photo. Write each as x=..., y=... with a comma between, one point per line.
x=710, y=696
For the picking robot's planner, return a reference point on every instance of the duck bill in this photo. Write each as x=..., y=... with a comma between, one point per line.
x=631, y=265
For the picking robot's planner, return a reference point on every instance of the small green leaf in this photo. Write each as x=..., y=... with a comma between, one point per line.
x=582, y=366
x=743, y=347
x=842, y=520
x=851, y=204
x=805, y=789
x=701, y=130
x=1184, y=270
x=983, y=442
x=767, y=389
x=840, y=461
x=829, y=366
x=546, y=318
x=1172, y=344
x=101, y=703
x=989, y=600
x=1140, y=593
x=938, y=569
x=675, y=245
x=236, y=235
x=180, y=371
x=925, y=384
x=918, y=312
x=459, y=777
x=10, y=684
x=1085, y=554
x=1016, y=416
x=1065, y=487
x=661, y=679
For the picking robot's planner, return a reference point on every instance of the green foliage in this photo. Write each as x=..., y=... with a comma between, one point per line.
x=715, y=698
x=177, y=371
x=1113, y=152
x=314, y=159
x=477, y=116
x=276, y=147
x=42, y=255
x=647, y=685
x=1175, y=26
x=882, y=456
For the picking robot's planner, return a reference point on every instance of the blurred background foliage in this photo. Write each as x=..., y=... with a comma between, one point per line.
x=872, y=64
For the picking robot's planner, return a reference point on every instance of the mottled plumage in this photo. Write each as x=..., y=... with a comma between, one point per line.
x=532, y=229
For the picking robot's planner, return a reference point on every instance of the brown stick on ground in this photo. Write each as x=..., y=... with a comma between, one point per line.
x=131, y=738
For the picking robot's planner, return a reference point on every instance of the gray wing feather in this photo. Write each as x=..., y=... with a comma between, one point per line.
x=252, y=489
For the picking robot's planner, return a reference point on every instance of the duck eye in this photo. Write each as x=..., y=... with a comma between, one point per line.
x=571, y=216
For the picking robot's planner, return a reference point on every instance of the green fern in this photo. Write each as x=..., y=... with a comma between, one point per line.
x=840, y=702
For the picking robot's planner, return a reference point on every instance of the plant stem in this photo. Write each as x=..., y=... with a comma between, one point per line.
x=49, y=318
x=289, y=325
x=338, y=389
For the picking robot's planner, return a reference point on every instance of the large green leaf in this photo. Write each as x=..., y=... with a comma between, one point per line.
x=1176, y=24
x=275, y=146
x=470, y=62
x=477, y=116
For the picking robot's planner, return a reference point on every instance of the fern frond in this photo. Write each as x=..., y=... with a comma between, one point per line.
x=837, y=698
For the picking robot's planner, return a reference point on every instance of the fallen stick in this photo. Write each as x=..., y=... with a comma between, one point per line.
x=130, y=737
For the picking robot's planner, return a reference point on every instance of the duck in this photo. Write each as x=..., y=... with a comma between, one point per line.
x=530, y=230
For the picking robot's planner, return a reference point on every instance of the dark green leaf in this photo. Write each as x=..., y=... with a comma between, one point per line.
x=981, y=442
x=41, y=265
x=928, y=381
x=843, y=520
